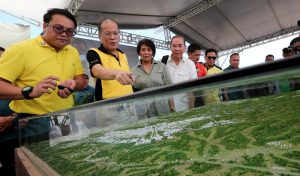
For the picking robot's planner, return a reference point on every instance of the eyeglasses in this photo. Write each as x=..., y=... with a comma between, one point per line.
x=59, y=29
x=211, y=57
x=108, y=34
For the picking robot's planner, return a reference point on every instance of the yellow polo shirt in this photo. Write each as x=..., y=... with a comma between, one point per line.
x=212, y=96
x=28, y=62
x=112, y=88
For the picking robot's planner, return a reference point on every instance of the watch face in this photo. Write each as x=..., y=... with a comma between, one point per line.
x=25, y=89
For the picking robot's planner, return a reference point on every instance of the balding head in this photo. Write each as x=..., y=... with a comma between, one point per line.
x=109, y=34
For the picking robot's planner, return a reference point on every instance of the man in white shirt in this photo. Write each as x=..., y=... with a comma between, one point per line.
x=180, y=69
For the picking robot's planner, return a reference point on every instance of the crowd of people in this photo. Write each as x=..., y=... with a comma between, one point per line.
x=39, y=75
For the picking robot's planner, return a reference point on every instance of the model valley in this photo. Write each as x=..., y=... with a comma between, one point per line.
x=258, y=136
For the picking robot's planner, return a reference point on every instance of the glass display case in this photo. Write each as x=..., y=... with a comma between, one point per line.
x=254, y=133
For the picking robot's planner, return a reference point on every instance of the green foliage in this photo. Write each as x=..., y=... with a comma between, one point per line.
x=206, y=132
x=201, y=167
x=201, y=147
x=122, y=146
x=246, y=171
x=102, y=153
x=257, y=160
x=292, y=155
x=158, y=156
x=173, y=156
x=182, y=143
x=285, y=162
x=170, y=172
x=260, y=120
x=105, y=171
x=213, y=150
x=136, y=155
x=198, y=124
x=279, y=161
x=165, y=170
x=295, y=140
x=235, y=141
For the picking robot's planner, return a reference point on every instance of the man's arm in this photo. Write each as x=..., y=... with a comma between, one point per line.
x=98, y=71
x=80, y=81
x=8, y=91
x=122, y=77
x=74, y=84
x=11, y=92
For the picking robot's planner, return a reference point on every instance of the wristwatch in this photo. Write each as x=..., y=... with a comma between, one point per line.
x=26, y=91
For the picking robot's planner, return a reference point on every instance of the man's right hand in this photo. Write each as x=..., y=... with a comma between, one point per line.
x=47, y=85
x=125, y=78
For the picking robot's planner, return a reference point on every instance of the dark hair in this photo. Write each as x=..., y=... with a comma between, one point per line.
x=234, y=54
x=178, y=36
x=148, y=43
x=270, y=55
x=209, y=50
x=48, y=16
x=193, y=47
x=102, y=21
x=297, y=39
x=2, y=49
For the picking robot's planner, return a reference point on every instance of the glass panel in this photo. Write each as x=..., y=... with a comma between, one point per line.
x=256, y=132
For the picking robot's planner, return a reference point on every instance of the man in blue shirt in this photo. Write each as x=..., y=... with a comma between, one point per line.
x=87, y=95
x=233, y=93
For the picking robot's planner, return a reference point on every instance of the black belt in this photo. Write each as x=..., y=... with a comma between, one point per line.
x=24, y=115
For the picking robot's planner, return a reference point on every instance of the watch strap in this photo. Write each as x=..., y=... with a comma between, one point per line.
x=26, y=91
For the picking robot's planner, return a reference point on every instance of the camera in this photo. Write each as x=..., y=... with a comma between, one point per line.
x=290, y=51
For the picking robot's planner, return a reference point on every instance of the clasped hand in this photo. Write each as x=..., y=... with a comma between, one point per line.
x=49, y=84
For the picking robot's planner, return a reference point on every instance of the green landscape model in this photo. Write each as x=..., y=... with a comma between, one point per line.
x=258, y=136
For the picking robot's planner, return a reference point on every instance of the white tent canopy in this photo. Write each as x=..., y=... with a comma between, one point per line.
x=219, y=24
x=33, y=9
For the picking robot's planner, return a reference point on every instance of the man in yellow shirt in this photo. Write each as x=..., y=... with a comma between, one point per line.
x=31, y=70
x=109, y=65
x=211, y=96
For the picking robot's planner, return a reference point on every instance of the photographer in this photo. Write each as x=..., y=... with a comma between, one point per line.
x=293, y=49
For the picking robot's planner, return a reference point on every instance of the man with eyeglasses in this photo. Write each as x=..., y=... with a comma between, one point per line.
x=211, y=96
x=29, y=74
x=109, y=65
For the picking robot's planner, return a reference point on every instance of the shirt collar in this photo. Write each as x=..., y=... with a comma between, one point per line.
x=181, y=60
x=42, y=42
x=232, y=68
x=153, y=62
x=104, y=50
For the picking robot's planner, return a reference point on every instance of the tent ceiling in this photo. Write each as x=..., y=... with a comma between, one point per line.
x=223, y=26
